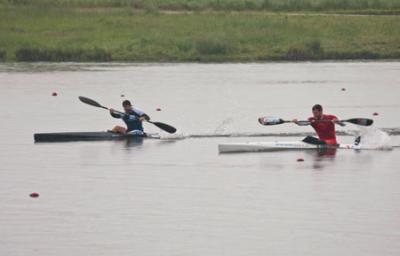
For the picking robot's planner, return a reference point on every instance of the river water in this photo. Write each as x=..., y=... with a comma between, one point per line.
x=177, y=195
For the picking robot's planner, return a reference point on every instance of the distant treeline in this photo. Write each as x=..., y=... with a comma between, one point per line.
x=232, y=5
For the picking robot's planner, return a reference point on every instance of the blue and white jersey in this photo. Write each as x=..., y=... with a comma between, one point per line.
x=131, y=119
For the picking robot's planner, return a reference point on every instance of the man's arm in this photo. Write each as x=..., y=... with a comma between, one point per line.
x=336, y=120
x=115, y=114
x=142, y=116
x=302, y=122
x=333, y=118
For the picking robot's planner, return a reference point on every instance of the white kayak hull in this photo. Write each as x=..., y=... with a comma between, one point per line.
x=277, y=146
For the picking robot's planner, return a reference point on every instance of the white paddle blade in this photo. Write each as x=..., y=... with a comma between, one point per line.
x=268, y=120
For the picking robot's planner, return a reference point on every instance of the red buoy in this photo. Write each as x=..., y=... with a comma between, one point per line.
x=158, y=109
x=54, y=94
x=375, y=114
x=34, y=195
x=300, y=160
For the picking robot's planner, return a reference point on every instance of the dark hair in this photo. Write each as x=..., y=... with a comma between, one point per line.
x=126, y=103
x=317, y=107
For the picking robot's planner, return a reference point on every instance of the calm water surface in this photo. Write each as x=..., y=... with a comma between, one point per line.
x=178, y=196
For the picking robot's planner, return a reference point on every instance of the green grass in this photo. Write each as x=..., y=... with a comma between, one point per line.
x=59, y=34
x=363, y=6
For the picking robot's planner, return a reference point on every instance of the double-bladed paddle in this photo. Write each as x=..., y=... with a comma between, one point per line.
x=277, y=120
x=162, y=126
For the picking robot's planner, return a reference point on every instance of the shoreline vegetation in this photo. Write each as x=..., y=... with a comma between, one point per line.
x=198, y=31
x=336, y=6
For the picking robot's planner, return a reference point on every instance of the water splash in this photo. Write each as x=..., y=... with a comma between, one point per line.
x=224, y=126
x=179, y=135
x=374, y=138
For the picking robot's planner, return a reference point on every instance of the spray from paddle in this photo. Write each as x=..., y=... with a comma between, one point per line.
x=225, y=127
x=374, y=138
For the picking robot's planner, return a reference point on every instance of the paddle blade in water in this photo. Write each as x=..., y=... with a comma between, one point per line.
x=90, y=102
x=165, y=127
x=361, y=121
x=267, y=120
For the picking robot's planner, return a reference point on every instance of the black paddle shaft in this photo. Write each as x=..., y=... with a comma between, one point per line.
x=360, y=121
x=91, y=102
x=277, y=121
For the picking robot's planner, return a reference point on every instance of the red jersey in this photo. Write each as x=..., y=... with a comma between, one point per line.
x=325, y=130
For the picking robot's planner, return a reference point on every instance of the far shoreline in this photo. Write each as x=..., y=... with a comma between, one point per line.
x=54, y=34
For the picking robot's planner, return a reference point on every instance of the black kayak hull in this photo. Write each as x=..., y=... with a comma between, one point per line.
x=89, y=136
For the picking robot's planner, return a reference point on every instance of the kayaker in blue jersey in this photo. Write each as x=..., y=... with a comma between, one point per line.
x=132, y=117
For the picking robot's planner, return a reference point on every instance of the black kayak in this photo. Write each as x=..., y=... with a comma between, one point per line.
x=89, y=136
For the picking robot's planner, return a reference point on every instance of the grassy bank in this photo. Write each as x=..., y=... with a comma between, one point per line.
x=72, y=34
x=353, y=6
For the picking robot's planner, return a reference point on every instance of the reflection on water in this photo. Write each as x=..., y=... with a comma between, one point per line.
x=134, y=142
x=327, y=152
x=323, y=157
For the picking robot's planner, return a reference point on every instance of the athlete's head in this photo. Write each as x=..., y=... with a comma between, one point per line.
x=126, y=104
x=317, y=111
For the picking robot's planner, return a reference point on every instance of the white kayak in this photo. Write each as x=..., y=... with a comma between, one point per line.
x=278, y=146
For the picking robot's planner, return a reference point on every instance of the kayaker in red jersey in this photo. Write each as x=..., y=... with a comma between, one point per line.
x=324, y=126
